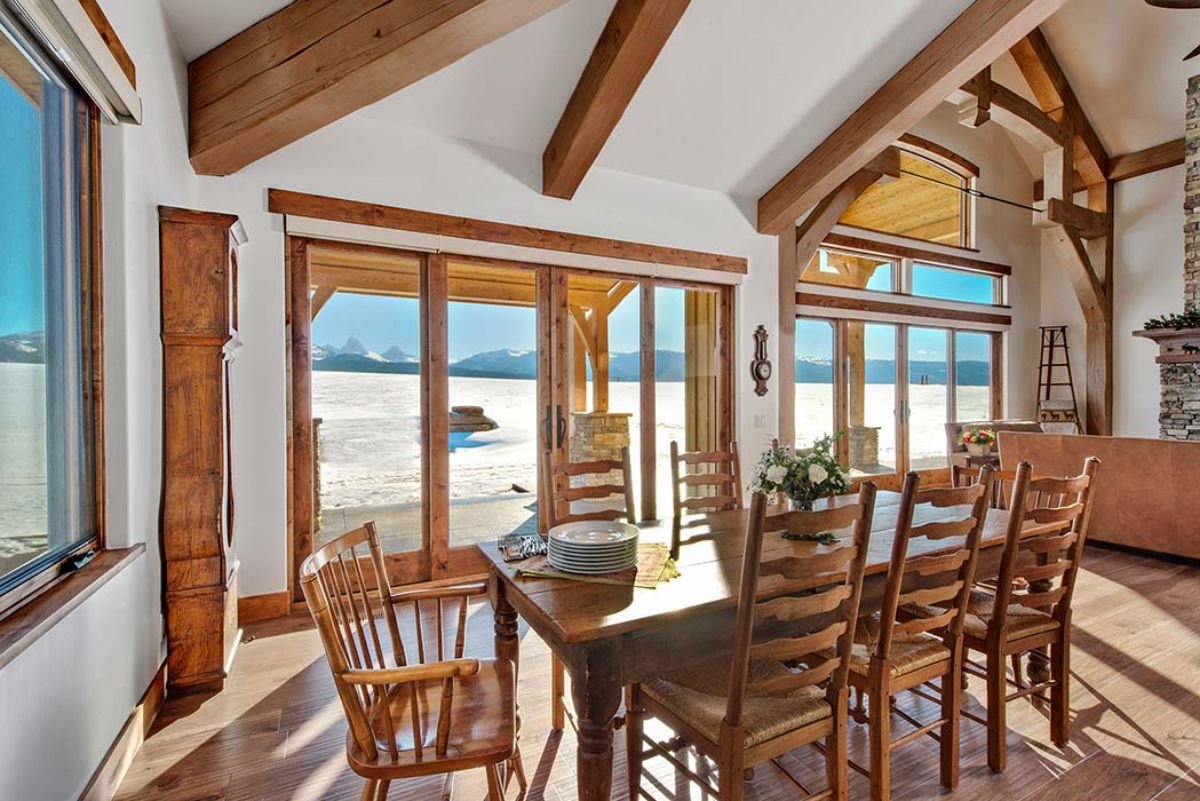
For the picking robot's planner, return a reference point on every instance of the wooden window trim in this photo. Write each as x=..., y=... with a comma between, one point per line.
x=894, y=250
x=921, y=315
x=30, y=591
x=281, y=201
x=24, y=625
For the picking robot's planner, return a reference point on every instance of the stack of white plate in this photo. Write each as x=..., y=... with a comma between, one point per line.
x=593, y=547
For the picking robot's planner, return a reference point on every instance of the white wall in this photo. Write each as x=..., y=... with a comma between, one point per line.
x=1148, y=270
x=364, y=159
x=1148, y=260
x=65, y=698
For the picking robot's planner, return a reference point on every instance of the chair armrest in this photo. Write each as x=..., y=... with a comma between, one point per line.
x=466, y=589
x=437, y=670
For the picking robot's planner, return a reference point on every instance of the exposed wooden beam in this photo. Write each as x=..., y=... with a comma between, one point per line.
x=1054, y=94
x=1085, y=222
x=321, y=296
x=1159, y=157
x=797, y=245
x=628, y=46
x=315, y=61
x=1009, y=110
x=985, y=30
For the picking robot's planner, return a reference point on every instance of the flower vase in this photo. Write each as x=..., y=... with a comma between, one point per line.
x=979, y=448
x=802, y=504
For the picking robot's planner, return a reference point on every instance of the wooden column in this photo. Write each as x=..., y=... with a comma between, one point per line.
x=579, y=358
x=600, y=361
x=785, y=362
x=856, y=359
x=700, y=370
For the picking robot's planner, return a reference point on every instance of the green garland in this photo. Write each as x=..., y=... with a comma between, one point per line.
x=1189, y=319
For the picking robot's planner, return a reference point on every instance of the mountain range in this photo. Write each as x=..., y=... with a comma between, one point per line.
x=353, y=357
x=23, y=348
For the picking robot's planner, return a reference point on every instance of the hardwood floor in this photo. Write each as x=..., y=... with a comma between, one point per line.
x=277, y=733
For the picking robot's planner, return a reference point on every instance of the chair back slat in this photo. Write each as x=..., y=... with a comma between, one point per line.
x=942, y=529
x=702, y=482
x=355, y=608
x=819, y=565
x=787, y=648
x=942, y=578
x=715, y=503
x=705, y=479
x=576, y=491
x=1044, y=543
x=834, y=519
x=1002, y=481
x=820, y=671
x=813, y=630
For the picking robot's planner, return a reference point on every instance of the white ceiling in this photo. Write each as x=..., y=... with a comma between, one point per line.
x=745, y=89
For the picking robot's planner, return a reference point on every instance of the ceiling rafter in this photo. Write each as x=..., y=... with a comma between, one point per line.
x=312, y=63
x=975, y=39
x=1049, y=84
x=626, y=50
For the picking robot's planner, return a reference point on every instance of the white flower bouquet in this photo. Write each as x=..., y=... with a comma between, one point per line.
x=803, y=476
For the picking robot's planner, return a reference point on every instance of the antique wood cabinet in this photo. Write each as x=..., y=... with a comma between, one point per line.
x=198, y=259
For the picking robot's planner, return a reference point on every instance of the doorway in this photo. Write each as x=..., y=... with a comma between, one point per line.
x=428, y=389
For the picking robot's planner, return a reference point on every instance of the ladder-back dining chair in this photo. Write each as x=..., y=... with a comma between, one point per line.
x=785, y=684
x=417, y=707
x=1031, y=606
x=932, y=563
x=701, y=482
x=575, y=491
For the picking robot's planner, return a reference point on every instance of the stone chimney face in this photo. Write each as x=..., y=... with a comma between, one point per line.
x=1179, y=409
x=1191, y=199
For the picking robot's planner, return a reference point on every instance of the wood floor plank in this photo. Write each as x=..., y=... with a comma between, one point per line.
x=278, y=734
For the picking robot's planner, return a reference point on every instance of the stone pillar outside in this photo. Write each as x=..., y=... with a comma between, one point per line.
x=598, y=435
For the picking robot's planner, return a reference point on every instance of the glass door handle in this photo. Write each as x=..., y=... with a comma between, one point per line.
x=562, y=426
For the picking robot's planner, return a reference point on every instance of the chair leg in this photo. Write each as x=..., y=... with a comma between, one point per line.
x=881, y=742
x=1018, y=674
x=1060, y=693
x=951, y=703
x=731, y=773
x=518, y=769
x=557, y=690
x=836, y=757
x=495, y=788
x=368, y=790
x=997, y=710
x=382, y=791
x=634, y=715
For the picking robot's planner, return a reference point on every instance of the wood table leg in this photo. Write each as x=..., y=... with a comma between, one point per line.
x=1039, y=658
x=507, y=643
x=596, y=691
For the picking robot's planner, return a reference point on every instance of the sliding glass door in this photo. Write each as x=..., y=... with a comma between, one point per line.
x=889, y=389
x=429, y=391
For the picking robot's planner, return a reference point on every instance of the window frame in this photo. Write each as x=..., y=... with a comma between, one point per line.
x=841, y=372
x=44, y=577
x=953, y=163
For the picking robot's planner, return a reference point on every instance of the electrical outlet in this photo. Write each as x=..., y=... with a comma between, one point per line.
x=760, y=422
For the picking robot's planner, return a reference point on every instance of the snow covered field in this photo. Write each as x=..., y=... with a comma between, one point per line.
x=23, y=464
x=370, y=449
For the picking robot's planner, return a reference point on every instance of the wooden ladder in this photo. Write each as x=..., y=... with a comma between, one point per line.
x=1057, y=415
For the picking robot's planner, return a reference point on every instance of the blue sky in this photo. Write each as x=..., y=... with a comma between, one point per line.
x=381, y=322
x=22, y=306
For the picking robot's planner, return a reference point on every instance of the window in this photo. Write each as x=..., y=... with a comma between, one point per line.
x=927, y=202
x=854, y=270
x=47, y=423
x=944, y=283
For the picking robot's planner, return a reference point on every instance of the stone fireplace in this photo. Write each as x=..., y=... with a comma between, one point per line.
x=1179, y=348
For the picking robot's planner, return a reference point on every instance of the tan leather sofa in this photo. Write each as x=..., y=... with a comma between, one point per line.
x=957, y=452
x=1147, y=490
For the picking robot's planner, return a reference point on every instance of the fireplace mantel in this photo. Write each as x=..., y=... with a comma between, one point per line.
x=1175, y=345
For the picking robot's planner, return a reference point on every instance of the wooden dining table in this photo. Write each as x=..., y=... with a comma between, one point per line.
x=611, y=636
